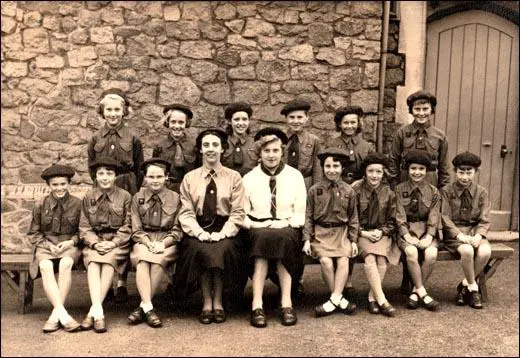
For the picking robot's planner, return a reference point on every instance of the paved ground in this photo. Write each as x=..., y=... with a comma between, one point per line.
x=493, y=331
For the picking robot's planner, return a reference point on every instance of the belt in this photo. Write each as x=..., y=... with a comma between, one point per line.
x=216, y=224
x=414, y=219
x=154, y=229
x=329, y=225
x=105, y=230
x=257, y=219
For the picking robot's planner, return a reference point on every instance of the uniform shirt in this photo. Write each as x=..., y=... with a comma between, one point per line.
x=45, y=214
x=248, y=153
x=308, y=162
x=118, y=219
x=142, y=217
x=425, y=137
x=387, y=206
x=329, y=202
x=291, y=196
x=358, y=149
x=480, y=207
x=121, y=144
x=167, y=148
x=230, y=199
x=428, y=207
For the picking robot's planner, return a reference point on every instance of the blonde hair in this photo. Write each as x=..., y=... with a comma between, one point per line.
x=264, y=141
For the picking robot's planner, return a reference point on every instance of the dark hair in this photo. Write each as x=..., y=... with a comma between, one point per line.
x=336, y=158
x=198, y=143
x=359, y=129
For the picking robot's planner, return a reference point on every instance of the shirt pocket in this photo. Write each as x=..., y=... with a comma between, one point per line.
x=100, y=145
x=72, y=220
x=118, y=216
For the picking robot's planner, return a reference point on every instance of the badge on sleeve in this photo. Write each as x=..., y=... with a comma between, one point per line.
x=405, y=194
x=319, y=191
x=141, y=201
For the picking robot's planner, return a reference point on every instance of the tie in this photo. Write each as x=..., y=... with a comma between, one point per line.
x=57, y=217
x=293, y=152
x=238, y=155
x=103, y=210
x=178, y=160
x=335, y=200
x=465, y=205
x=420, y=142
x=414, y=202
x=155, y=211
x=209, y=208
x=272, y=186
x=373, y=211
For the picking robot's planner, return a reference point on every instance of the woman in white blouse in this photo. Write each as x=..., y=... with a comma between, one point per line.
x=275, y=199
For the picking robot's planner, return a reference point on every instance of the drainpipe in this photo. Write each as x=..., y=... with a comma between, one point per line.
x=382, y=74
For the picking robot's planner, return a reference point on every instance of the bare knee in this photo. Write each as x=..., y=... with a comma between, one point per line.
x=46, y=266
x=412, y=255
x=342, y=263
x=370, y=260
x=326, y=263
x=430, y=254
x=484, y=250
x=381, y=261
x=466, y=251
x=66, y=264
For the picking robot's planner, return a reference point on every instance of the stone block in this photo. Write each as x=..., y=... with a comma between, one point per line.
x=122, y=85
x=135, y=18
x=68, y=24
x=343, y=7
x=371, y=75
x=169, y=49
x=225, y=12
x=310, y=17
x=334, y=56
x=10, y=122
x=394, y=77
x=154, y=27
x=13, y=98
x=98, y=71
x=88, y=18
x=366, y=9
x=43, y=157
x=52, y=61
x=203, y=71
x=297, y=87
x=54, y=132
x=323, y=121
x=350, y=27
x=218, y=93
x=292, y=30
x=196, y=10
x=280, y=97
x=127, y=74
x=141, y=45
x=235, y=26
x=196, y=49
x=32, y=19
x=253, y=92
x=13, y=42
x=272, y=14
x=150, y=8
x=35, y=87
x=247, y=10
x=270, y=114
x=182, y=30
x=172, y=13
x=373, y=29
x=178, y=89
x=147, y=77
x=51, y=22
x=291, y=17
x=8, y=25
x=82, y=57
x=273, y=71
x=269, y=55
x=337, y=99
x=106, y=49
x=72, y=76
x=249, y=57
x=320, y=34
x=256, y=27
x=366, y=50
x=313, y=72
x=160, y=65
x=345, y=78
x=314, y=99
x=113, y=16
x=389, y=98
x=11, y=160
x=235, y=39
x=146, y=94
x=180, y=66
x=272, y=42
x=9, y=8
x=126, y=31
x=343, y=43
x=366, y=99
x=242, y=73
x=213, y=31
x=299, y=53
x=36, y=40
x=101, y=35
x=79, y=36
x=14, y=69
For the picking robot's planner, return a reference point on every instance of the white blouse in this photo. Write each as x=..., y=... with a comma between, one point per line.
x=291, y=196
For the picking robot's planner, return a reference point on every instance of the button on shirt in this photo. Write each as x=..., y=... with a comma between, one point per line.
x=358, y=148
x=44, y=214
x=308, y=162
x=169, y=228
x=429, y=206
x=92, y=222
x=480, y=208
x=329, y=202
x=230, y=199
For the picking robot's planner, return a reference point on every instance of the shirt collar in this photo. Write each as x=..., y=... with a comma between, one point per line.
x=53, y=201
x=459, y=189
x=421, y=186
x=369, y=187
x=236, y=140
x=417, y=127
x=205, y=171
x=301, y=135
x=347, y=139
x=119, y=129
x=148, y=193
x=98, y=193
x=172, y=141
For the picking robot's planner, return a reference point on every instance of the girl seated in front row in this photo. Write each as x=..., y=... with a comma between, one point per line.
x=331, y=229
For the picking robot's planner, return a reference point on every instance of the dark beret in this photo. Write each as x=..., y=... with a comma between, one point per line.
x=421, y=95
x=341, y=112
x=296, y=105
x=155, y=160
x=105, y=161
x=215, y=131
x=180, y=107
x=57, y=170
x=418, y=156
x=272, y=131
x=373, y=158
x=333, y=152
x=118, y=92
x=238, y=107
x=466, y=158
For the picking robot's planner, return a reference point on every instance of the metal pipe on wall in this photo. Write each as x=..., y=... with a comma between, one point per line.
x=382, y=75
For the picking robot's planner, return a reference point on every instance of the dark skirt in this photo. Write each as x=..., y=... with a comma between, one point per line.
x=278, y=244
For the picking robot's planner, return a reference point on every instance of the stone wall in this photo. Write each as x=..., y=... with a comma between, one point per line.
x=58, y=56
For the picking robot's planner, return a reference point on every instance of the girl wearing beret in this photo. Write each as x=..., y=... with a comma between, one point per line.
x=176, y=148
x=275, y=198
x=241, y=154
x=331, y=229
x=376, y=205
x=418, y=215
x=54, y=235
x=155, y=232
x=465, y=221
x=105, y=230
x=115, y=139
x=211, y=214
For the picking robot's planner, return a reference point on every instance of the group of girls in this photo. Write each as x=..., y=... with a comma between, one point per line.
x=212, y=213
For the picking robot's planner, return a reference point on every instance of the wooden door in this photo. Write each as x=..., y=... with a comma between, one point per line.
x=472, y=68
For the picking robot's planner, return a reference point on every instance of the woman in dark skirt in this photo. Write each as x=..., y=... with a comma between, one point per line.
x=211, y=214
x=275, y=199
x=105, y=230
x=176, y=148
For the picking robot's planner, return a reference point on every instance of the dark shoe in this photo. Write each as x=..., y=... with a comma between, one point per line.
x=387, y=309
x=121, y=295
x=288, y=316
x=319, y=311
x=432, y=306
x=373, y=307
x=110, y=296
x=258, y=318
x=475, y=299
x=71, y=326
x=153, y=319
x=100, y=325
x=51, y=326
x=219, y=316
x=462, y=294
x=300, y=291
x=348, y=292
x=87, y=324
x=411, y=303
x=136, y=316
x=350, y=309
x=205, y=317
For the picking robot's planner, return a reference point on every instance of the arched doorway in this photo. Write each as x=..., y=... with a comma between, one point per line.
x=472, y=67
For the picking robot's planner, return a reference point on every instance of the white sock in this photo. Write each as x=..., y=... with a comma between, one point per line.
x=328, y=306
x=421, y=291
x=121, y=283
x=465, y=283
x=473, y=287
x=336, y=298
x=54, y=315
x=97, y=311
x=63, y=315
x=146, y=306
x=371, y=297
x=343, y=303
